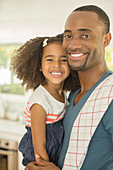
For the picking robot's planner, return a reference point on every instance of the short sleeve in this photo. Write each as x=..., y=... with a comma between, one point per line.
x=39, y=97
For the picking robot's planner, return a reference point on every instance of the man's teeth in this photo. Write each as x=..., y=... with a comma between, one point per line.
x=54, y=73
x=76, y=55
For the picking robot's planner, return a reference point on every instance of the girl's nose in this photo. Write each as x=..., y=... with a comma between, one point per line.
x=56, y=63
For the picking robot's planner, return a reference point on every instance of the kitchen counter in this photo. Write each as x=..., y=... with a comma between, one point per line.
x=13, y=130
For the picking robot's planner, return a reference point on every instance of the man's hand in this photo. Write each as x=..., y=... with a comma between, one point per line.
x=44, y=165
x=31, y=166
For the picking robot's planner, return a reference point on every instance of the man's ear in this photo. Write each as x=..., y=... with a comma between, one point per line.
x=107, y=39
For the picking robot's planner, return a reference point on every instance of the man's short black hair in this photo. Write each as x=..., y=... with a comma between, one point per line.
x=103, y=17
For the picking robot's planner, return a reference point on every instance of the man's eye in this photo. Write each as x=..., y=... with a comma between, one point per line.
x=86, y=36
x=67, y=36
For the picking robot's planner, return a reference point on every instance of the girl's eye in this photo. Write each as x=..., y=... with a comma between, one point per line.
x=49, y=59
x=64, y=60
x=86, y=36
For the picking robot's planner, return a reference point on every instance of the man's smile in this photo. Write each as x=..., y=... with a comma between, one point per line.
x=76, y=56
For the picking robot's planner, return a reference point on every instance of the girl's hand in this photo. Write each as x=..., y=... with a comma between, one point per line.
x=44, y=165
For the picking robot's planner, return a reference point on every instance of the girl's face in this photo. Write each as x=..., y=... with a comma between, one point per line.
x=54, y=64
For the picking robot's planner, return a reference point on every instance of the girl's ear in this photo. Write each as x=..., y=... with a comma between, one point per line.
x=107, y=39
x=40, y=68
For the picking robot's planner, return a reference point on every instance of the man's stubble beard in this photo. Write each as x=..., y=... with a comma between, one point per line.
x=80, y=68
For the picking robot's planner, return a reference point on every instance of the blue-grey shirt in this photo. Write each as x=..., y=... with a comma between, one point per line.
x=100, y=150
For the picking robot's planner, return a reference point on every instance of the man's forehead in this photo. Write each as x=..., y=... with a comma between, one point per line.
x=82, y=20
x=82, y=17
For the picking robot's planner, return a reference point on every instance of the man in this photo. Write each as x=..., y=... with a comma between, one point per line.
x=88, y=124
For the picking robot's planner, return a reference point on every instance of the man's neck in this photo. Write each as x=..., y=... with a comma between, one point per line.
x=89, y=77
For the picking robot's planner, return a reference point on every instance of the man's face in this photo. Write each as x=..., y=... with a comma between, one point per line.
x=84, y=40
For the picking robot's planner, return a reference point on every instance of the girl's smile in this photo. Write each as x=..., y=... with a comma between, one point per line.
x=54, y=64
x=56, y=74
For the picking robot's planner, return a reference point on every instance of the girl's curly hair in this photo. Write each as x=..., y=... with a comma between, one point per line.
x=26, y=64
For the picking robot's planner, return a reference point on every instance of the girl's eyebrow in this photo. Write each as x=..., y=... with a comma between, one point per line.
x=62, y=56
x=49, y=56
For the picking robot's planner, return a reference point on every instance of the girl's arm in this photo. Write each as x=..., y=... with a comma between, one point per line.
x=38, y=127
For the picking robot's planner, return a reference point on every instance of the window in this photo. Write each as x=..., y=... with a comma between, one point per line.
x=109, y=57
x=8, y=82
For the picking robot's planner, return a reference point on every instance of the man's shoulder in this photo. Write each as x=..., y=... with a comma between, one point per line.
x=106, y=78
x=109, y=79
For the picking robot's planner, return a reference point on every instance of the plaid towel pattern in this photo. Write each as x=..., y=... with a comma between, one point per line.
x=86, y=124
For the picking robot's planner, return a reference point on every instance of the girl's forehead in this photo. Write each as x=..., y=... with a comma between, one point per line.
x=52, y=44
x=55, y=48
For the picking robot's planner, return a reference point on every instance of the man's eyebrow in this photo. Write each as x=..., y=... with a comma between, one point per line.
x=84, y=29
x=80, y=29
x=67, y=31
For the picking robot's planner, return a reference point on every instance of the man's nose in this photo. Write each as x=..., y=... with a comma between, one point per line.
x=75, y=43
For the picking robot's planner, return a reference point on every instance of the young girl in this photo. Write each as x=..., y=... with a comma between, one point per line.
x=42, y=66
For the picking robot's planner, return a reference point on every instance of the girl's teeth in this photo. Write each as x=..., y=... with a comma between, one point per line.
x=56, y=73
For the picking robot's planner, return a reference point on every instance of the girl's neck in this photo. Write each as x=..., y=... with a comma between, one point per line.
x=56, y=91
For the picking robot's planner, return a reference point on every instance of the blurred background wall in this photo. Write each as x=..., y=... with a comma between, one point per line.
x=21, y=20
